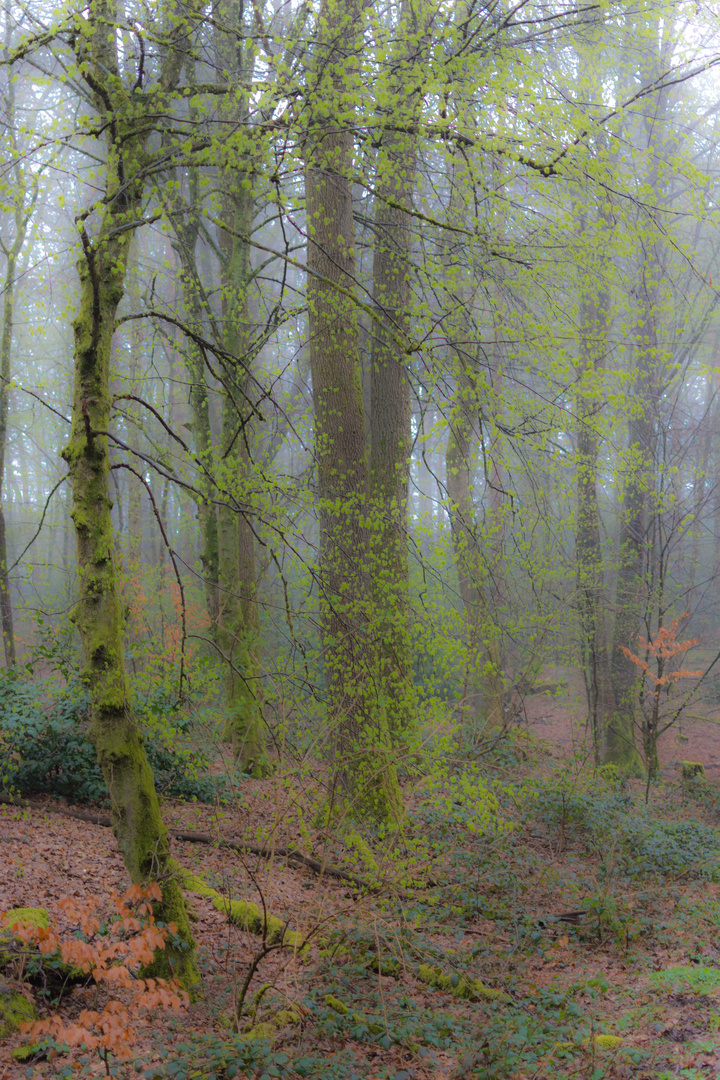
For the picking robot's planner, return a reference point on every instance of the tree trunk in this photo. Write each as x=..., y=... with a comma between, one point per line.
x=98, y=614
x=602, y=713
x=483, y=693
x=632, y=596
x=135, y=487
x=185, y=223
x=390, y=430
x=21, y=187
x=5, y=356
x=239, y=612
x=365, y=771
x=484, y=685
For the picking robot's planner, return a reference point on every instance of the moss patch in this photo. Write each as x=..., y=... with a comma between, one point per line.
x=701, y=980
x=692, y=771
x=459, y=986
x=242, y=913
x=15, y=1010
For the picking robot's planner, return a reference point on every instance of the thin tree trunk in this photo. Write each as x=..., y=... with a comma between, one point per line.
x=632, y=597
x=484, y=687
x=186, y=239
x=588, y=547
x=135, y=487
x=483, y=693
x=21, y=189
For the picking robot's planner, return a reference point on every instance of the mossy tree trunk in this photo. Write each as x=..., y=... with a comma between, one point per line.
x=135, y=493
x=98, y=614
x=483, y=697
x=639, y=586
x=11, y=255
x=365, y=774
x=613, y=737
x=602, y=713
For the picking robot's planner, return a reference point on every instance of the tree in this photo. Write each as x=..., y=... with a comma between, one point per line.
x=365, y=768
x=123, y=102
x=19, y=196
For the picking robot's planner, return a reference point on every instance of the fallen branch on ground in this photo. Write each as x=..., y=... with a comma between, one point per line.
x=204, y=838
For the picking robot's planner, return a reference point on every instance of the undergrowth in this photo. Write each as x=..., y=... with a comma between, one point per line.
x=525, y=921
x=45, y=746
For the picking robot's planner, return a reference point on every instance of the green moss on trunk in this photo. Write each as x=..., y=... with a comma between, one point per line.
x=98, y=614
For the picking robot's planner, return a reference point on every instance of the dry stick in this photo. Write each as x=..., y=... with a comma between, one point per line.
x=205, y=838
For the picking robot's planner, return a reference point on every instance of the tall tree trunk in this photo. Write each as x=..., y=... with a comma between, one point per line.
x=611, y=741
x=700, y=483
x=98, y=614
x=484, y=685
x=390, y=430
x=483, y=692
x=23, y=193
x=11, y=255
x=632, y=597
x=239, y=629
x=365, y=771
x=186, y=239
x=135, y=487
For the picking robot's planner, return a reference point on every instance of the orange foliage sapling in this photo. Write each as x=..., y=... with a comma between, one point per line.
x=114, y=962
x=658, y=652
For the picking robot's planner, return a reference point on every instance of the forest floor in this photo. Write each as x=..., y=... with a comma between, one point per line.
x=592, y=915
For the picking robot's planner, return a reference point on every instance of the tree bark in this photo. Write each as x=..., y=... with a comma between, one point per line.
x=390, y=412
x=484, y=684
x=135, y=488
x=22, y=188
x=98, y=614
x=365, y=774
x=602, y=713
x=239, y=615
x=632, y=595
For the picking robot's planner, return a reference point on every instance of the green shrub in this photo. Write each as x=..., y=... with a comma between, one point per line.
x=590, y=805
x=45, y=747
x=680, y=847
x=606, y=818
